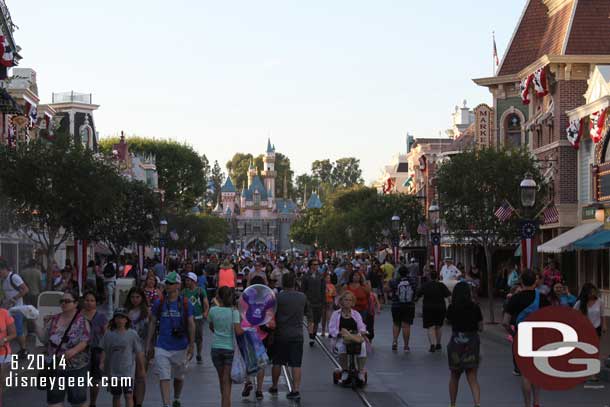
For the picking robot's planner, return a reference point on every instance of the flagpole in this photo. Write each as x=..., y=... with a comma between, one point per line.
x=493, y=56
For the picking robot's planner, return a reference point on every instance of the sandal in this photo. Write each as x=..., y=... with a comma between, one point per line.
x=247, y=389
x=394, y=345
x=407, y=349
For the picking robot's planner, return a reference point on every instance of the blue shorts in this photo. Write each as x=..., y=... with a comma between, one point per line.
x=18, y=317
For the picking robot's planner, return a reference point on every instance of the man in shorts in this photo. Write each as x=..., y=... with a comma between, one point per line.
x=198, y=297
x=292, y=306
x=14, y=289
x=175, y=338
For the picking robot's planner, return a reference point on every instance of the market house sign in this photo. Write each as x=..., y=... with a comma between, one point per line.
x=484, y=125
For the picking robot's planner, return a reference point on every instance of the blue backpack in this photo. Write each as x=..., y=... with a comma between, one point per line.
x=533, y=307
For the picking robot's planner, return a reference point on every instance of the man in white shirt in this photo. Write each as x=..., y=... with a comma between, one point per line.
x=14, y=289
x=450, y=274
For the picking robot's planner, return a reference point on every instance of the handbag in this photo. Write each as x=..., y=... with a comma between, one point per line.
x=238, y=366
x=48, y=371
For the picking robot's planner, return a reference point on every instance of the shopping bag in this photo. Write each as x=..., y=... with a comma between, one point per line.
x=238, y=367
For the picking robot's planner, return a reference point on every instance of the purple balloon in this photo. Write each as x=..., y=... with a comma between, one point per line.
x=255, y=303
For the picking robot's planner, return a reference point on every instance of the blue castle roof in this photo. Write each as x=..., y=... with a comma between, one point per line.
x=314, y=202
x=228, y=186
x=257, y=185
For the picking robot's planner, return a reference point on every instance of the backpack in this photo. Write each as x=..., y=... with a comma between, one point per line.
x=404, y=292
x=109, y=271
x=533, y=307
x=10, y=280
x=182, y=310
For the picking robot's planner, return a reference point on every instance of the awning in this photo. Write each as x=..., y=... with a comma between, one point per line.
x=565, y=241
x=517, y=251
x=599, y=240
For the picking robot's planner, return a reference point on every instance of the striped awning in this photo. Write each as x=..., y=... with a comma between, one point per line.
x=566, y=241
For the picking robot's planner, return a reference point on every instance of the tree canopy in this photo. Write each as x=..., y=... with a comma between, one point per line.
x=240, y=163
x=180, y=169
x=363, y=210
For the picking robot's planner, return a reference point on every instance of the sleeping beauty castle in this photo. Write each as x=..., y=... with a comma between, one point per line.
x=258, y=219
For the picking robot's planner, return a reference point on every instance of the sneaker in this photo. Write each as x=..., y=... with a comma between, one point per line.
x=394, y=346
x=176, y=403
x=516, y=373
x=438, y=346
x=247, y=389
x=344, y=376
x=311, y=343
x=293, y=395
x=432, y=348
x=199, y=360
x=361, y=377
x=259, y=395
x=407, y=349
x=272, y=391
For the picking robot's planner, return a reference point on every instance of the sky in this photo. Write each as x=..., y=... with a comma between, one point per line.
x=322, y=78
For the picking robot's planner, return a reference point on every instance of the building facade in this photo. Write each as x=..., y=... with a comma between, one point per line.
x=548, y=97
x=258, y=219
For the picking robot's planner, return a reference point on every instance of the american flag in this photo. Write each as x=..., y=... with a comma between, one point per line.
x=504, y=212
x=551, y=215
x=496, y=59
x=422, y=229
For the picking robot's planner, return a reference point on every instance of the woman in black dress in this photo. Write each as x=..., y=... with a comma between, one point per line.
x=464, y=347
x=434, y=309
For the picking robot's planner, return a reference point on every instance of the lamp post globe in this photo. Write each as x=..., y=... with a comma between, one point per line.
x=528, y=189
x=395, y=223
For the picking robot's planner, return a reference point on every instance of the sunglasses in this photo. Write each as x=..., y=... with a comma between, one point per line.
x=169, y=283
x=63, y=301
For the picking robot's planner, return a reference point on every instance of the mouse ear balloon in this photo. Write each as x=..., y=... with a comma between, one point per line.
x=255, y=303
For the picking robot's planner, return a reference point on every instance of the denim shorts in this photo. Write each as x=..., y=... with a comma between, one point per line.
x=77, y=395
x=222, y=357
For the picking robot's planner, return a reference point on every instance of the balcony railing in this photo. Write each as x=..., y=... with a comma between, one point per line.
x=72, y=97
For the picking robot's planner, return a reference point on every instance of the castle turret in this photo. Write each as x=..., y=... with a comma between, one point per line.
x=251, y=173
x=228, y=193
x=269, y=173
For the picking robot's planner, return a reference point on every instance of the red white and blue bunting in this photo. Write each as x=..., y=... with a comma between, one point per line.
x=8, y=57
x=539, y=80
x=596, y=124
x=574, y=132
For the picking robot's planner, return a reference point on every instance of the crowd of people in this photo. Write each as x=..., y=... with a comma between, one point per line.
x=160, y=326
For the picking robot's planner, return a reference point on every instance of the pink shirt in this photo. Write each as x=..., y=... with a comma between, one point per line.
x=333, y=325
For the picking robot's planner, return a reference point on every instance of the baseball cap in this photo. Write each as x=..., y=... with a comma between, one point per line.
x=173, y=278
x=122, y=312
x=192, y=276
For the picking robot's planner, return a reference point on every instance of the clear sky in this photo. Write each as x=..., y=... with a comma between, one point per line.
x=326, y=78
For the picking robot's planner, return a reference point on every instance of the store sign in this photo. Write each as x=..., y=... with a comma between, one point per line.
x=484, y=126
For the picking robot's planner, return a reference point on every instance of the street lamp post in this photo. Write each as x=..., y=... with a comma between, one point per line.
x=292, y=248
x=435, y=234
x=350, y=234
x=395, y=238
x=528, y=227
x=162, y=232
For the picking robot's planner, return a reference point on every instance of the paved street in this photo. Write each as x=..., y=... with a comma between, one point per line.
x=395, y=379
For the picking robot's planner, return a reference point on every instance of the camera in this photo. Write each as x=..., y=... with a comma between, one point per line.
x=177, y=332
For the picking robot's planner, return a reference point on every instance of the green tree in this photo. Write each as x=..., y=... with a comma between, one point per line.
x=322, y=170
x=472, y=185
x=305, y=185
x=196, y=232
x=179, y=167
x=218, y=179
x=237, y=168
x=56, y=190
x=362, y=210
x=207, y=197
x=132, y=218
x=347, y=173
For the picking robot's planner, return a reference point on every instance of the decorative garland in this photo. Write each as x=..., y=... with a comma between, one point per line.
x=540, y=85
x=525, y=89
x=8, y=59
x=596, y=124
x=574, y=132
x=539, y=80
